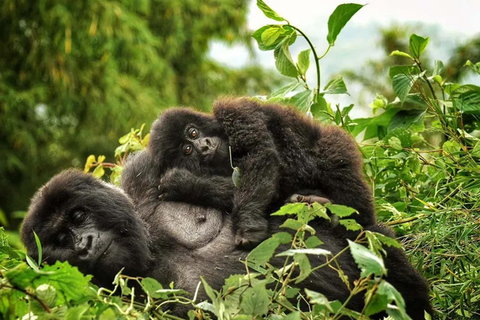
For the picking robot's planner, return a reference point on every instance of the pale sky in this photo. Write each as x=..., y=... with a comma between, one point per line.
x=447, y=24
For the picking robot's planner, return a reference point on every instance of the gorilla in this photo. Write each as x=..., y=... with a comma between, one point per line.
x=279, y=153
x=101, y=229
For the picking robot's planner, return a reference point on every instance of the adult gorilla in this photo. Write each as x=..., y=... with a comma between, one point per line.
x=96, y=227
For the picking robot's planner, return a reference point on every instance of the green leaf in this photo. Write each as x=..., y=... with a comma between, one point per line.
x=335, y=86
x=292, y=224
x=262, y=253
x=313, y=242
x=291, y=316
x=468, y=100
x=270, y=36
x=39, y=248
x=290, y=208
x=303, y=61
x=417, y=45
x=284, y=61
x=302, y=100
x=366, y=260
x=350, y=224
x=318, y=298
x=451, y=147
x=384, y=295
x=402, y=84
x=305, y=268
x=340, y=210
x=395, y=143
x=255, y=300
x=475, y=67
x=406, y=118
x=268, y=11
x=339, y=18
x=285, y=90
x=98, y=172
x=151, y=287
x=401, y=54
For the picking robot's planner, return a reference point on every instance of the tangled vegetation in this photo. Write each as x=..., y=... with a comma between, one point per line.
x=422, y=156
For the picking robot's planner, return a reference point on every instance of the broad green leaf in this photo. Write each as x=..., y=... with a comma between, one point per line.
x=255, y=300
x=304, y=264
x=313, y=242
x=98, y=172
x=451, y=147
x=350, y=224
x=406, y=118
x=366, y=260
x=284, y=61
x=335, y=86
x=291, y=316
x=384, y=295
x=151, y=287
x=384, y=239
x=212, y=294
x=88, y=164
x=373, y=125
x=268, y=11
x=292, y=224
x=401, y=54
x=302, y=100
x=417, y=45
x=303, y=61
x=408, y=70
x=405, y=137
x=286, y=89
x=402, y=84
x=318, y=298
x=261, y=254
x=339, y=18
x=469, y=100
x=290, y=208
x=340, y=210
x=270, y=36
x=395, y=143
x=439, y=68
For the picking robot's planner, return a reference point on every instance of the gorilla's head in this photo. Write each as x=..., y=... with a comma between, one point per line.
x=184, y=138
x=89, y=223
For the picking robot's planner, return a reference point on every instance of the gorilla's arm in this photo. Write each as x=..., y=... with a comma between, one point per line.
x=254, y=152
x=207, y=190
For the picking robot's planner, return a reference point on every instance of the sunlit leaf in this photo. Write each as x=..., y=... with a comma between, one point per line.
x=417, y=45
x=339, y=18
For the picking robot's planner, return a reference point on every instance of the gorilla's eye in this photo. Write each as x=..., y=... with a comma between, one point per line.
x=78, y=217
x=187, y=149
x=62, y=239
x=193, y=133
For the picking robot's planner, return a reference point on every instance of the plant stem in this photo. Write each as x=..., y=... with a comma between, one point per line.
x=317, y=64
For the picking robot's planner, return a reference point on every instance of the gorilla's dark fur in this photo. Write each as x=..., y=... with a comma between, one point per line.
x=89, y=223
x=171, y=241
x=279, y=151
x=218, y=257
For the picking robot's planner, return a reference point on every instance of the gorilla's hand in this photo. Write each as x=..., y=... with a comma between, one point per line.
x=176, y=185
x=308, y=199
x=250, y=233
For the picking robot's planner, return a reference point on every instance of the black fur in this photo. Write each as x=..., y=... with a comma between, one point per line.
x=218, y=256
x=279, y=151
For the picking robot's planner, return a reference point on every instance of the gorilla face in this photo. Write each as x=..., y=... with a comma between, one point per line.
x=88, y=223
x=184, y=138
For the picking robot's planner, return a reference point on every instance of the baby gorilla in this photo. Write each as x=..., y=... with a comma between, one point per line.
x=279, y=151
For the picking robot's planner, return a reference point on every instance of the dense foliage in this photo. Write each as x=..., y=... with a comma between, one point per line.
x=422, y=154
x=76, y=75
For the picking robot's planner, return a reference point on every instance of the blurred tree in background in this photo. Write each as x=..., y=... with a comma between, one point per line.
x=76, y=75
